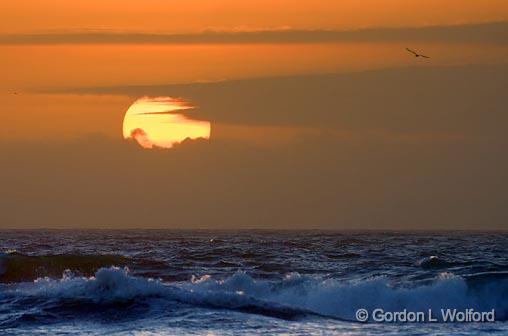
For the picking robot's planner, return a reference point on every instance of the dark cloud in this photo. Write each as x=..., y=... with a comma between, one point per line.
x=488, y=33
x=139, y=135
x=463, y=99
x=387, y=176
x=177, y=111
x=137, y=132
x=316, y=182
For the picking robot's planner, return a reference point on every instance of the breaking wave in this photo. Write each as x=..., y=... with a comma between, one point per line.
x=294, y=297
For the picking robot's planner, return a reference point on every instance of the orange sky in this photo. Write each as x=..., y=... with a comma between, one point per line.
x=195, y=15
x=30, y=68
x=60, y=67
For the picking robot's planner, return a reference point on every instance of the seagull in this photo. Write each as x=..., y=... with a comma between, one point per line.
x=416, y=54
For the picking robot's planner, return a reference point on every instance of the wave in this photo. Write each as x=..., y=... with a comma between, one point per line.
x=292, y=298
x=434, y=262
x=341, y=299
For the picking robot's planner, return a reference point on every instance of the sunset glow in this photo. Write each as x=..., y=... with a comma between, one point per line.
x=356, y=144
x=155, y=123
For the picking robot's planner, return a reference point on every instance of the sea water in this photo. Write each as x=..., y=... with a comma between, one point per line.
x=162, y=282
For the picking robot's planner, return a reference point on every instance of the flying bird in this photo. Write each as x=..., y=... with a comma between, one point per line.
x=416, y=54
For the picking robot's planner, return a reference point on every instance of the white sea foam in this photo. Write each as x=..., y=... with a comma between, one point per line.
x=305, y=294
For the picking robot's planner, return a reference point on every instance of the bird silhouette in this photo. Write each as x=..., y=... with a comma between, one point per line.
x=416, y=54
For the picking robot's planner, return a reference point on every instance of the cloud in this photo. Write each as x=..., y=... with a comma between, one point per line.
x=141, y=137
x=485, y=33
x=138, y=132
x=462, y=99
x=396, y=180
x=316, y=182
x=172, y=112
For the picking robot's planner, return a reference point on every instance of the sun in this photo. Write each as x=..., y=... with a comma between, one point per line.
x=159, y=123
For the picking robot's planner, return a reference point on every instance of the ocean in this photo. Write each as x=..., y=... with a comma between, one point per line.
x=169, y=282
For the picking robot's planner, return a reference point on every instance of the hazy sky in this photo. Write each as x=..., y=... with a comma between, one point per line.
x=319, y=116
x=196, y=15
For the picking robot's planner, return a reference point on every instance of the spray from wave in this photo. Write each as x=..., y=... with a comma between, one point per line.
x=292, y=298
